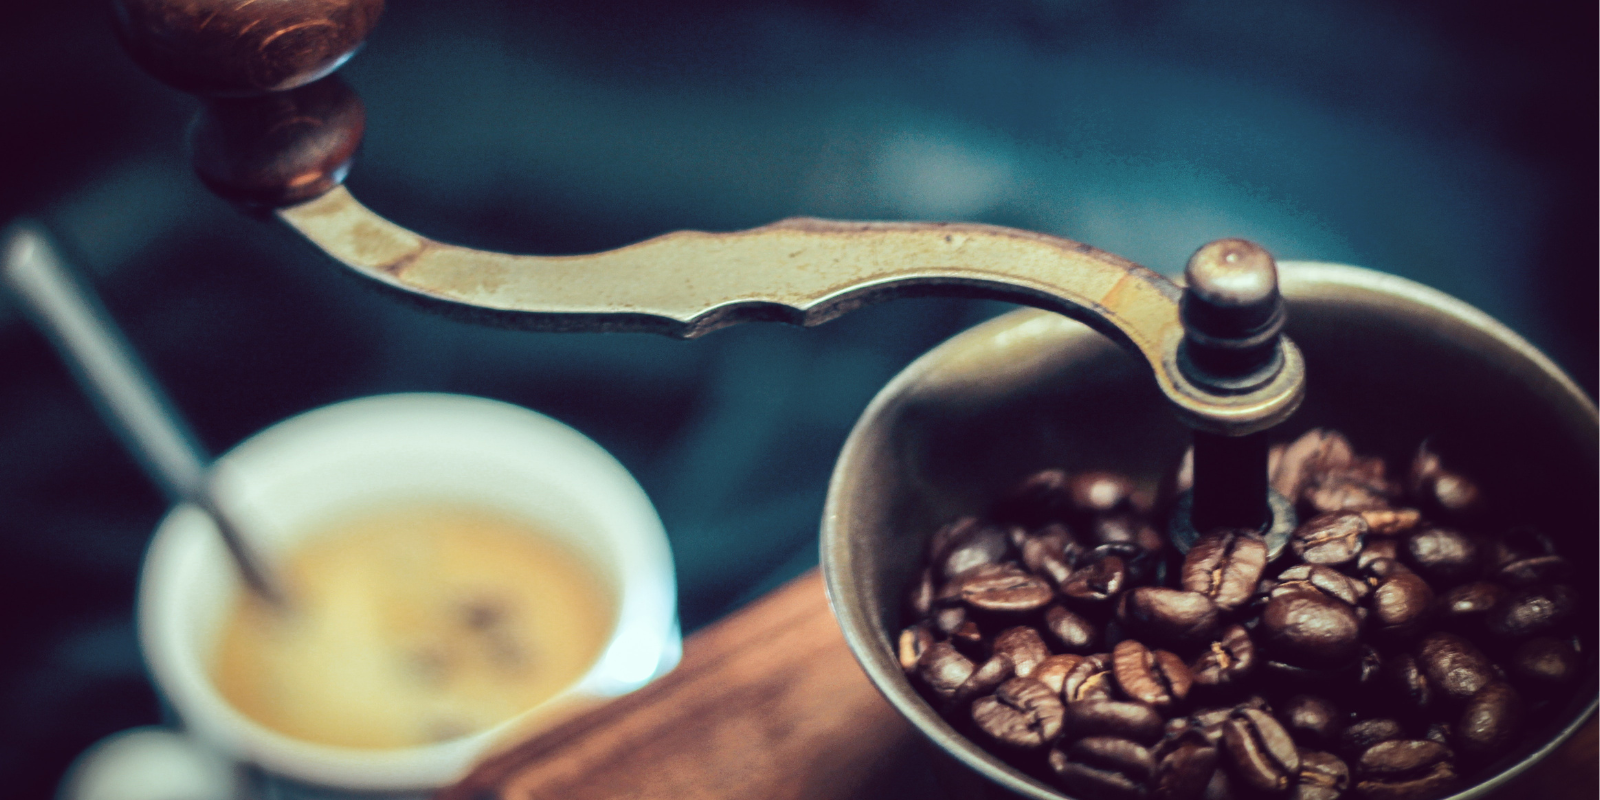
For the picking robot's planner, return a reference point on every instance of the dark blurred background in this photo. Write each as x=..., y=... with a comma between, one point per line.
x=1447, y=142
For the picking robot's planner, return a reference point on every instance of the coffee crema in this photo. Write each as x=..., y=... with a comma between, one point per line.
x=414, y=625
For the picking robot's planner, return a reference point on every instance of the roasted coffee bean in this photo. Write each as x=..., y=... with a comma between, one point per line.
x=1391, y=521
x=1349, y=490
x=1312, y=720
x=1531, y=612
x=1544, y=664
x=1323, y=776
x=1378, y=570
x=977, y=546
x=1262, y=752
x=1359, y=737
x=985, y=679
x=1040, y=499
x=1136, y=721
x=1489, y=722
x=1119, y=755
x=1099, y=492
x=1455, y=668
x=1220, y=787
x=919, y=601
x=1438, y=732
x=1184, y=765
x=1226, y=662
x=1169, y=617
x=949, y=620
x=969, y=639
x=1082, y=771
x=1052, y=672
x=1024, y=646
x=1375, y=549
x=1099, y=578
x=1534, y=571
x=1369, y=666
x=1158, y=678
x=1224, y=566
x=943, y=669
x=1022, y=714
x=914, y=641
x=1405, y=769
x=1308, y=628
x=1401, y=604
x=1283, y=677
x=1126, y=529
x=1465, y=607
x=1009, y=590
x=1092, y=679
x=1329, y=539
x=1444, y=555
x=1049, y=553
x=1408, y=684
x=1071, y=630
x=1441, y=489
x=1292, y=466
x=1325, y=580
x=949, y=535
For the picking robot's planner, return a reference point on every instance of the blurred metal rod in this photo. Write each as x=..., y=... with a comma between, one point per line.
x=129, y=401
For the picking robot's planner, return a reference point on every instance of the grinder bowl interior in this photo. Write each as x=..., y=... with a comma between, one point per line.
x=1389, y=363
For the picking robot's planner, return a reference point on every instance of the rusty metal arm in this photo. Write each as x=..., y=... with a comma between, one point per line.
x=800, y=271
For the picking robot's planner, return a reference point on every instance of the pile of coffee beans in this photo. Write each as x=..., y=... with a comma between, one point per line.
x=1391, y=651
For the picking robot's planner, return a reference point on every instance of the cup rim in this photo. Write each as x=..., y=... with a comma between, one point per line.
x=644, y=640
x=838, y=560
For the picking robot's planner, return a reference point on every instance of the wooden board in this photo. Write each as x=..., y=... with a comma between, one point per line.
x=769, y=703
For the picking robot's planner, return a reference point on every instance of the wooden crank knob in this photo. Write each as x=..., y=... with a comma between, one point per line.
x=278, y=149
x=242, y=47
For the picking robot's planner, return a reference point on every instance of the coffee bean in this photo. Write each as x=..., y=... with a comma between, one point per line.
x=1094, y=780
x=1359, y=737
x=1391, y=521
x=1544, y=664
x=1322, y=579
x=1024, y=646
x=1099, y=492
x=1224, y=566
x=1050, y=552
x=985, y=679
x=1009, y=590
x=1438, y=732
x=1348, y=490
x=976, y=546
x=949, y=620
x=1126, y=529
x=1489, y=722
x=1455, y=667
x=1227, y=661
x=1169, y=617
x=919, y=601
x=1092, y=679
x=1369, y=666
x=1405, y=769
x=1534, y=571
x=949, y=535
x=1306, y=459
x=1115, y=754
x=1101, y=577
x=1136, y=721
x=1519, y=543
x=1376, y=549
x=1400, y=603
x=1262, y=752
x=1053, y=671
x=1040, y=499
x=1184, y=765
x=1441, y=489
x=1329, y=539
x=1158, y=678
x=1022, y=713
x=1220, y=787
x=914, y=641
x=1465, y=607
x=969, y=640
x=1323, y=776
x=1312, y=720
x=1531, y=612
x=1408, y=684
x=1071, y=630
x=943, y=669
x=1309, y=628
x=1444, y=555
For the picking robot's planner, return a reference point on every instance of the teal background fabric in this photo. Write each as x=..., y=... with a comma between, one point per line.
x=1450, y=143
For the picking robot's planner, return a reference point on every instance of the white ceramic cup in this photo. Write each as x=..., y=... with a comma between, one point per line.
x=404, y=448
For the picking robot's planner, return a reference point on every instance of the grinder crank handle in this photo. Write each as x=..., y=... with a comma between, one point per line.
x=801, y=271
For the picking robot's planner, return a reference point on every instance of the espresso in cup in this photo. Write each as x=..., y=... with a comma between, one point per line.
x=414, y=625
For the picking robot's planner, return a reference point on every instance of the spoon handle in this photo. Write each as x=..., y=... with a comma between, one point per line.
x=129, y=401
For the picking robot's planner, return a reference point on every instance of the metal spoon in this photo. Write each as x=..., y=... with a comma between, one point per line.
x=129, y=400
